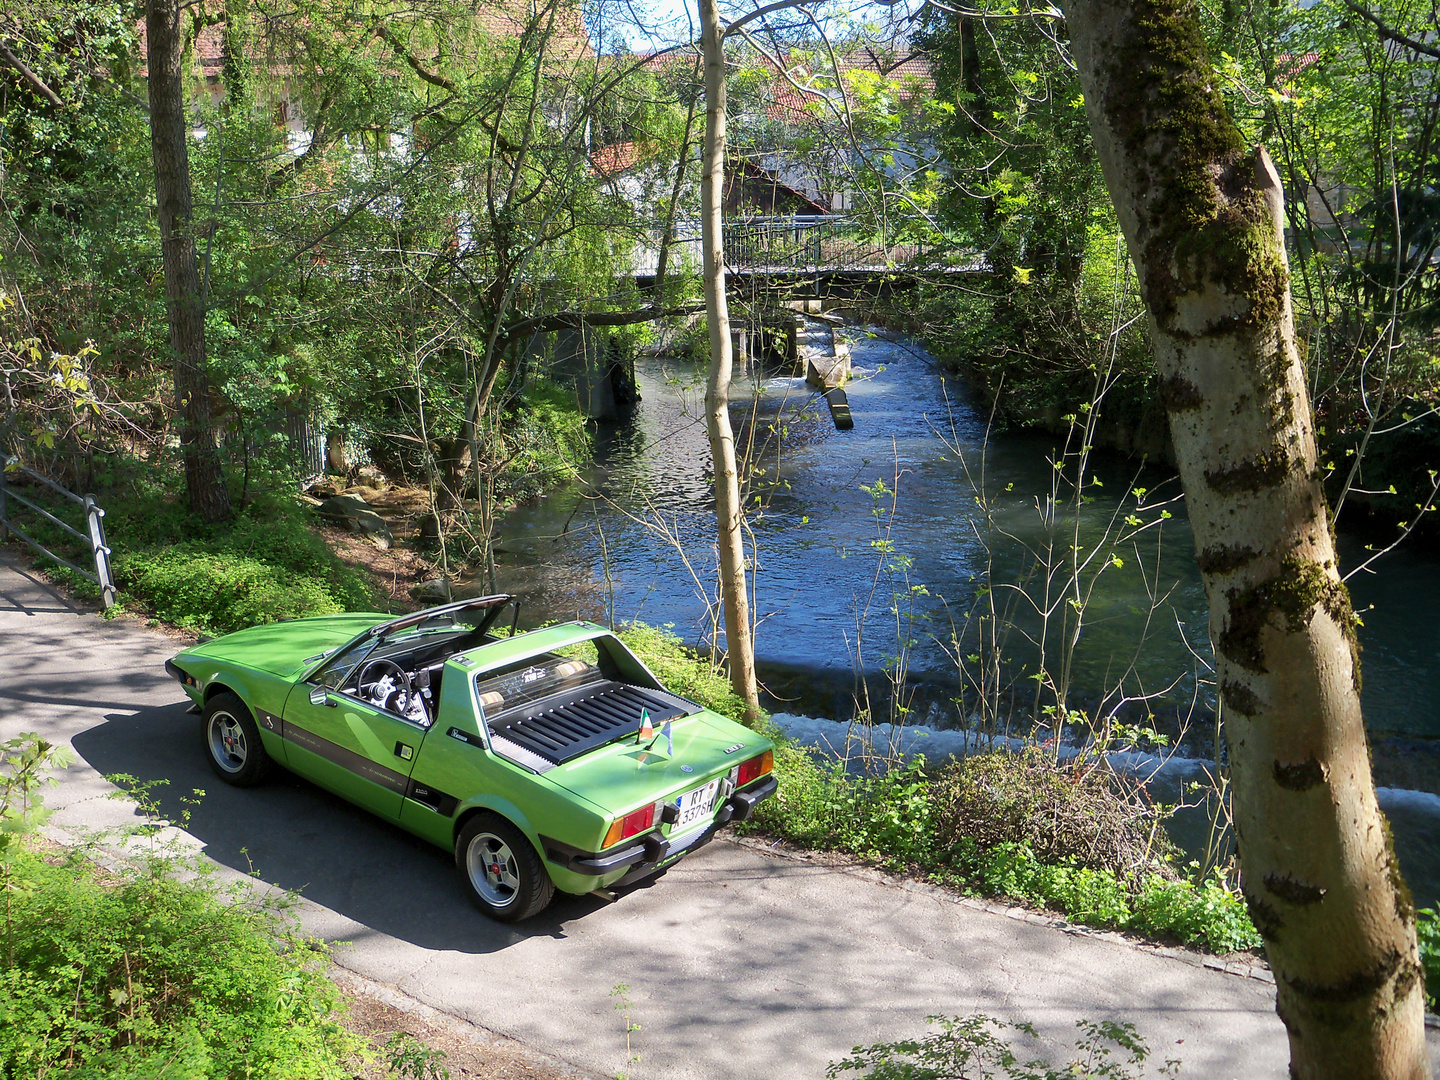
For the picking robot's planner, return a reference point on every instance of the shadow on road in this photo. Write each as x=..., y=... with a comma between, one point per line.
x=303, y=839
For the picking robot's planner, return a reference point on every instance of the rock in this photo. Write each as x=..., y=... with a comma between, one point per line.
x=344, y=506
x=370, y=477
x=442, y=590
x=356, y=515
x=323, y=489
x=434, y=591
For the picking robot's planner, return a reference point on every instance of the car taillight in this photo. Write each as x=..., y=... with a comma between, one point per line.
x=631, y=824
x=755, y=768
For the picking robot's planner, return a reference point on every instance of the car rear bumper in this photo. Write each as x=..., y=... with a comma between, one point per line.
x=648, y=852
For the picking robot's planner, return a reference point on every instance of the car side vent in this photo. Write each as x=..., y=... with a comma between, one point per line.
x=561, y=728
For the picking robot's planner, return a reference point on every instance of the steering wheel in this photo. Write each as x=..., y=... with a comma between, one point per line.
x=398, y=700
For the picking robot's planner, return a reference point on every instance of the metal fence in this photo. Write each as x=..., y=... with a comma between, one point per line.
x=797, y=244
x=94, y=537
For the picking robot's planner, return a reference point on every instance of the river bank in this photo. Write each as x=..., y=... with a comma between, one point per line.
x=635, y=542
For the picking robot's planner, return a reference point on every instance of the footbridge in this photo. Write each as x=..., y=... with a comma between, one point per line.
x=820, y=255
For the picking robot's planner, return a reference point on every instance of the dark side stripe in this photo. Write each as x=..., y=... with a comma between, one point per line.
x=347, y=759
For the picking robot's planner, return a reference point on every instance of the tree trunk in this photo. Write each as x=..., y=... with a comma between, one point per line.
x=728, y=519
x=1202, y=214
x=204, y=480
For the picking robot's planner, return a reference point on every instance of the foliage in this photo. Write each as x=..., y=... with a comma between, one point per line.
x=1079, y=811
x=1427, y=928
x=263, y=565
x=895, y=819
x=142, y=971
x=545, y=439
x=971, y=1048
x=411, y=1059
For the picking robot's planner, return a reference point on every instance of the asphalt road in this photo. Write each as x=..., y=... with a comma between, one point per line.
x=739, y=964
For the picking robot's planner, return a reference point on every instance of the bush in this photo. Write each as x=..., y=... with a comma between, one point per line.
x=1208, y=915
x=217, y=592
x=263, y=564
x=900, y=821
x=1082, y=812
x=1427, y=927
x=147, y=974
x=138, y=972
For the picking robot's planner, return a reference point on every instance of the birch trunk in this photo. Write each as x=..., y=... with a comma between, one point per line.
x=204, y=480
x=733, y=592
x=1203, y=216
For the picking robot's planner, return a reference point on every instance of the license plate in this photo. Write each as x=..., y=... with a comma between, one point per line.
x=696, y=804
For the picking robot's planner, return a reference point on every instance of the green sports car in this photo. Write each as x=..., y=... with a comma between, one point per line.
x=547, y=760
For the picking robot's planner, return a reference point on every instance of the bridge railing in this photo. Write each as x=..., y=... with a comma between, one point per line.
x=794, y=244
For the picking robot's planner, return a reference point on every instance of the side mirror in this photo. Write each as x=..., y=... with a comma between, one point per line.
x=320, y=695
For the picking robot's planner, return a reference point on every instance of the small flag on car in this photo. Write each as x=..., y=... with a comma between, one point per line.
x=669, y=738
x=647, y=729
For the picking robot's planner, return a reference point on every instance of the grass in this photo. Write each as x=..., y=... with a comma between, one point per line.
x=905, y=821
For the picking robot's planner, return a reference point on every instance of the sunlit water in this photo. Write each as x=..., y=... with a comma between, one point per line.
x=824, y=588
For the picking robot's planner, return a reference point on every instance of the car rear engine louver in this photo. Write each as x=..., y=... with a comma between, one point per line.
x=560, y=728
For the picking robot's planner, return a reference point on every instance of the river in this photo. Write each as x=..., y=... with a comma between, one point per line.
x=832, y=550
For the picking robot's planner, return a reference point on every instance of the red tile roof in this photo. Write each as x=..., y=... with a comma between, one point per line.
x=612, y=160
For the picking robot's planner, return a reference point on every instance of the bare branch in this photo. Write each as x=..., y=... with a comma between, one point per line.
x=36, y=83
x=1393, y=35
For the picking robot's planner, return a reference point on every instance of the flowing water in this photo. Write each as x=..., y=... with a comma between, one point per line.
x=834, y=548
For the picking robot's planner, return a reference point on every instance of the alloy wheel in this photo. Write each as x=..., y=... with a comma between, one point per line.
x=492, y=869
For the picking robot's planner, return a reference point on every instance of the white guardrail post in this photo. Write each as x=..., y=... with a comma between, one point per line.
x=95, y=519
x=94, y=526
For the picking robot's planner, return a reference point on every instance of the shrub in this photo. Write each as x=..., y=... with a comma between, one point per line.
x=217, y=592
x=1427, y=927
x=148, y=970
x=128, y=978
x=263, y=564
x=1207, y=914
x=1082, y=812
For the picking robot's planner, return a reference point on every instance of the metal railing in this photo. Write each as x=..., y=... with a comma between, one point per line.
x=815, y=243
x=94, y=522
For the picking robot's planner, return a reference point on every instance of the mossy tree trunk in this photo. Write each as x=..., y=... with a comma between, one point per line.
x=1202, y=214
x=204, y=480
x=734, y=594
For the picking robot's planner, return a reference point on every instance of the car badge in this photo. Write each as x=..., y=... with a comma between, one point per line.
x=732, y=749
x=687, y=768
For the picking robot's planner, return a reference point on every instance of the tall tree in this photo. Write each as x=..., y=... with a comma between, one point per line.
x=739, y=645
x=1203, y=216
x=204, y=480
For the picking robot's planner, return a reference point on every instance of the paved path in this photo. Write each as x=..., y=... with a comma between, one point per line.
x=739, y=965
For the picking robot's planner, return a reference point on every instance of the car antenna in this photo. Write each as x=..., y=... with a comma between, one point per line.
x=515, y=621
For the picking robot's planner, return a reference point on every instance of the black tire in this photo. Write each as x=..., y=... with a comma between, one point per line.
x=501, y=870
x=232, y=741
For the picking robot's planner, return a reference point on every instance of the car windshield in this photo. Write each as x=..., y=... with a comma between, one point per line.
x=339, y=670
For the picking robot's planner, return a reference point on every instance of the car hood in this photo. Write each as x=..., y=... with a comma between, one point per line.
x=288, y=648
x=623, y=774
